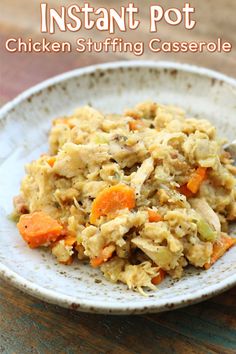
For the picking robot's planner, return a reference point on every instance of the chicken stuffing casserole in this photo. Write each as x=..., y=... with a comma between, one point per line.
x=140, y=195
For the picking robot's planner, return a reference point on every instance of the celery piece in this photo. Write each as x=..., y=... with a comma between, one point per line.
x=101, y=138
x=205, y=231
x=14, y=216
x=116, y=176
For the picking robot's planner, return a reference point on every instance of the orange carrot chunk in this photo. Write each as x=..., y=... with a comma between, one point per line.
x=185, y=191
x=38, y=228
x=51, y=160
x=106, y=254
x=219, y=248
x=111, y=200
x=154, y=216
x=159, y=278
x=70, y=240
x=135, y=125
x=96, y=262
x=196, y=179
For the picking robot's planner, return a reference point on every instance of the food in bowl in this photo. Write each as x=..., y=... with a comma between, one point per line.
x=140, y=195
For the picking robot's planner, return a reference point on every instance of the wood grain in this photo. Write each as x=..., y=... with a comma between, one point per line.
x=32, y=326
x=28, y=325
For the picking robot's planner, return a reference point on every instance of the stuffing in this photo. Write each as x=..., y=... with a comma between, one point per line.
x=141, y=195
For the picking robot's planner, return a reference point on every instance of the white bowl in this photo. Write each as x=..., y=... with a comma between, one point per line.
x=112, y=87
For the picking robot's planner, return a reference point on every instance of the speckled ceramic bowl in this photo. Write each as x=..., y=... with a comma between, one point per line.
x=24, y=127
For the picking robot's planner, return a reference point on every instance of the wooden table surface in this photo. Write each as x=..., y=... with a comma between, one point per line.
x=28, y=325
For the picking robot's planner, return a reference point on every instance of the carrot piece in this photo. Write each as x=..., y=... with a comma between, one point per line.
x=51, y=160
x=196, y=179
x=219, y=248
x=154, y=216
x=185, y=191
x=133, y=114
x=66, y=235
x=70, y=240
x=112, y=199
x=106, y=254
x=159, y=278
x=38, y=228
x=96, y=262
x=135, y=125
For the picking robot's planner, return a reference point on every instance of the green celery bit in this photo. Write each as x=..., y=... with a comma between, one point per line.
x=101, y=138
x=205, y=231
x=14, y=217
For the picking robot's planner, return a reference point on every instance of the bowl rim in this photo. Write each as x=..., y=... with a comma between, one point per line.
x=95, y=306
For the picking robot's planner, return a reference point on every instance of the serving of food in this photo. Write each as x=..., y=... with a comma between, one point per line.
x=123, y=196
x=141, y=195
